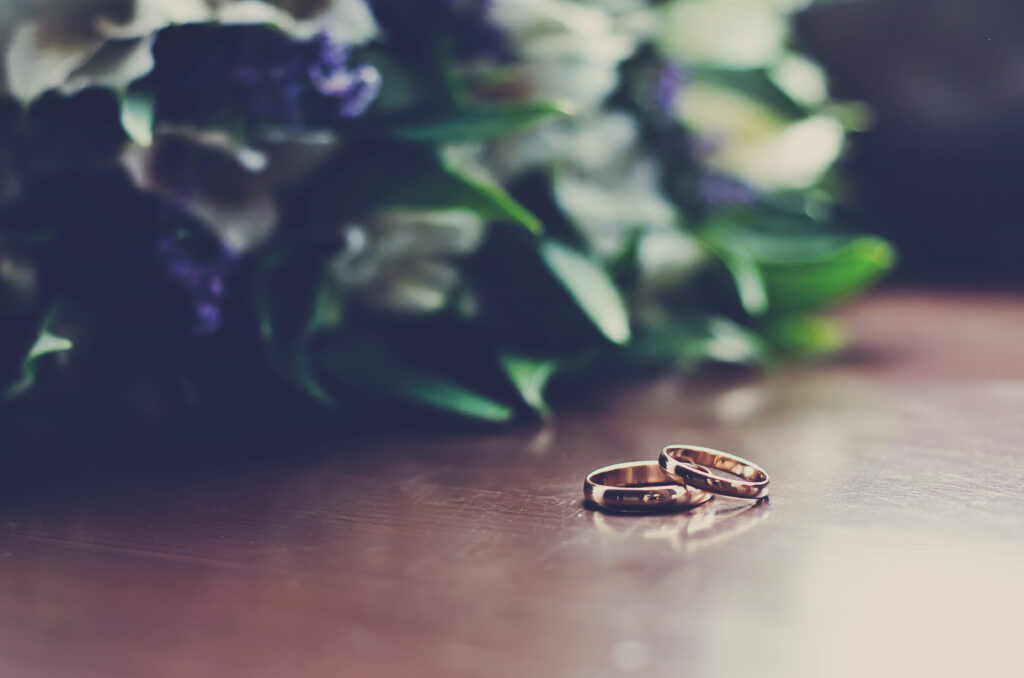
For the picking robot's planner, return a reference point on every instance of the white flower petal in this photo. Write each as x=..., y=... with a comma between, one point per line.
x=606, y=211
x=426, y=233
x=578, y=67
x=593, y=144
x=415, y=287
x=35, y=65
x=755, y=145
x=732, y=33
x=796, y=157
x=115, y=65
x=248, y=12
x=667, y=258
x=152, y=15
x=18, y=275
x=242, y=222
x=398, y=259
x=585, y=85
x=569, y=50
x=241, y=228
x=802, y=79
x=534, y=16
x=349, y=22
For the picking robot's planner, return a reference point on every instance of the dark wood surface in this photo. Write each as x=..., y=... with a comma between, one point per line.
x=892, y=544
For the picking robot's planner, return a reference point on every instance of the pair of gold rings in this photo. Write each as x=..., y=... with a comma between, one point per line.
x=681, y=478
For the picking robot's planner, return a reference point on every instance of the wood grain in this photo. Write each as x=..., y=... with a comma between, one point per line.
x=893, y=541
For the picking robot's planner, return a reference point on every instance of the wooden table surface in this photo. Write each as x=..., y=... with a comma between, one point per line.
x=892, y=544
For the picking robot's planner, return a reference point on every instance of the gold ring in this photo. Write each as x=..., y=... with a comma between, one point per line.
x=639, y=487
x=685, y=464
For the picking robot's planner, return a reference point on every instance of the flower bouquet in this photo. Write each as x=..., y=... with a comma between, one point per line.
x=224, y=213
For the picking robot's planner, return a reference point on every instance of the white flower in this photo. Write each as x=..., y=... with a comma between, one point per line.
x=588, y=143
x=756, y=146
x=570, y=51
x=77, y=43
x=230, y=189
x=609, y=188
x=72, y=44
x=401, y=259
x=348, y=22
x=17, y=278
x=227, y=191
x=729, y=33
x=802, y=79
x=608, y=211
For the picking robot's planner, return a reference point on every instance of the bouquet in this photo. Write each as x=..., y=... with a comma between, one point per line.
x=221, y=213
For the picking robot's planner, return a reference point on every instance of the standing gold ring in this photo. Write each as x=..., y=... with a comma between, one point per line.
x=639, y=487
x=686, y=464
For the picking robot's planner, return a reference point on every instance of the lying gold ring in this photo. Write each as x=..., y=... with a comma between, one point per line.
x=639, y=487
x=685, y=464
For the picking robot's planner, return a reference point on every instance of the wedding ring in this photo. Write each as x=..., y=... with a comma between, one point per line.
x=639, y=487
x=686, y=464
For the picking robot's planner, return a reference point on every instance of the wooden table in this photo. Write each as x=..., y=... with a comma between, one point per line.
x=893, y=542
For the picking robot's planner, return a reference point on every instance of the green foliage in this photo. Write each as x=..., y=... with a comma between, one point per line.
x=404, y=175
x=780, y=273
x=745, y=272
x=292, y=306
x=806, y=335
x=138, y=114
x=478, y=122
x=366, y=363
x=754, y=83
x=812, y=282
x=46, y=343
x=693, y=339
x=443, y=188
x=592, y=289
x=530, y=376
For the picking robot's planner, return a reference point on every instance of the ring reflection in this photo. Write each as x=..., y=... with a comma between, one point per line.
x=711, y=523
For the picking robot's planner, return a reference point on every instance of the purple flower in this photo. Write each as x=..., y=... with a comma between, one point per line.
x=207, y=75
x=721, y=190
x=354, y=89
x=669, y=80
x=201, y=278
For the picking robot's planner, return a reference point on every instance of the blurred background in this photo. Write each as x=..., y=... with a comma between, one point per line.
x=939, y=171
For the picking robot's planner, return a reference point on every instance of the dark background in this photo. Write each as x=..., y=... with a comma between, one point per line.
x=940, y=173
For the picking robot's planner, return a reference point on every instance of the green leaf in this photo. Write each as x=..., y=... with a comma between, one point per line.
x=750, y=284
x=45, y=344
x=369, y=366
x=805, y=335
x=591, y=288
x=756, y=83
x=480, y=122
x=48, y=343
x=530, y=377
x=827, y=278
x=443, y=188
x=691, y=340
x=405, y=175
x=138, y=111
x=292, y=307
x=778, y=273
x=443, y=394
